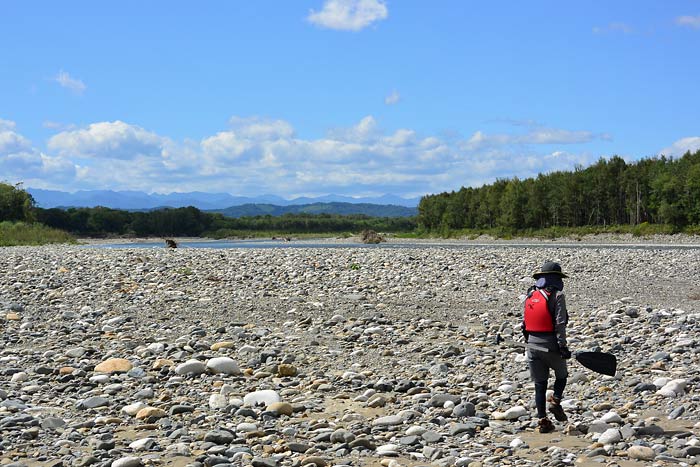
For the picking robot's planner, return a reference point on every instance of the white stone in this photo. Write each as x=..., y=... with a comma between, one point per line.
x=266, y=396
x=191, y=367
x=224, y=365
x=611, y=417
x=217, y=401
x=99, y=379
x=516, y=443
x=246, y=427
x=19, y=377
x=415, y=430
x=388, y=450
x=388, y=420
x=129, y=461
x=610, y=436
x=133, y=409
x=141, y=444
x=511, y=414
x=673, y=388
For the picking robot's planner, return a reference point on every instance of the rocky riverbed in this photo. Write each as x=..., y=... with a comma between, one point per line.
x=342, y=356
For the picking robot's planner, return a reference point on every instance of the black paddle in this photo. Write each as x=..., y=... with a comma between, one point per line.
x=600, y=362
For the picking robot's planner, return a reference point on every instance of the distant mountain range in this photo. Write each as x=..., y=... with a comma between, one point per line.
x=224, y=202
x=374, y=210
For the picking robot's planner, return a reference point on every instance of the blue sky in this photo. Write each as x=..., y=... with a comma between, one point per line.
x=353, y=97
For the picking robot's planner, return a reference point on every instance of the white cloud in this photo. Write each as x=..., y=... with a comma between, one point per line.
x=392, y=98
x=261, y=128
x=349, y=15
x=691, y=21
x=58, y=126
x=7, y=125
x=258, y=155
x=535, y=135
x=68, y=82
x=680, y=147
x=108, y=140
x=21, y=162
x=615, y=27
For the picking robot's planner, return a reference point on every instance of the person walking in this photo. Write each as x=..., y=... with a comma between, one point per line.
x=544, y=327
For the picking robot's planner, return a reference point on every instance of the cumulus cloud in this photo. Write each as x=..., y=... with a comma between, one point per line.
x=68, y=82
x=108, y=140
x=392, y=98
x=20, y=161
x=348, y=15
x=258, y=155
x=690, y=21
x=680, y=147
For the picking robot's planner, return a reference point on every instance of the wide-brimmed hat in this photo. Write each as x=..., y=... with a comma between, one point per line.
x=550, y=267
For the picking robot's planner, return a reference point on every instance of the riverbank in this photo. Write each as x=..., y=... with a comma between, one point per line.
x=342, y=356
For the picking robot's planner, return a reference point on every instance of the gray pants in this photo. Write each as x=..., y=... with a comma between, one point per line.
x=541, y=362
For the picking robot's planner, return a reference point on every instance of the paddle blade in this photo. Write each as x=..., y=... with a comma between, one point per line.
x=600, y=362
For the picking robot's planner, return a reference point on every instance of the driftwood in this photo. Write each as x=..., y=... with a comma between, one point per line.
x=370, y=236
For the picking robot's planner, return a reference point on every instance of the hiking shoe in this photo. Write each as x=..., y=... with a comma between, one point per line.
x=545, y=426
x=556, y=409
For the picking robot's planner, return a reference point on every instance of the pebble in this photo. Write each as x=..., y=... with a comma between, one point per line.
x=114, y=365
x=263, y=397
x=223, y=365
x=191, y=367
x=643, y=453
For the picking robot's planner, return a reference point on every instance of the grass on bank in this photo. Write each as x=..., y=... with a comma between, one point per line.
x=641, y=230
x=22, y=233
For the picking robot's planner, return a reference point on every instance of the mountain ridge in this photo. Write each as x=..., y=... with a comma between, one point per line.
x=134, y=200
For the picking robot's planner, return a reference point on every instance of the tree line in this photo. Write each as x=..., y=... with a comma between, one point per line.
x=192, y=222
x=658, y=190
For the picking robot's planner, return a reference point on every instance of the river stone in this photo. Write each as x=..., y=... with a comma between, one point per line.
x=219, y=437
x=128, y=461
x=265, y=396
x=191, y=367
x=144, y=444
x=224, y=365
x=222, y=345
x=94, y=402
x=150, y=412
x=217, y=401
x=318, y=461
x=282, y=408
x=285, y=369
x=133, y=409
x=511, y=414
x=388, y=450
x=114, y=365
x=388, y=420
x=673, y=388
x=610, y=436
x=642, y=453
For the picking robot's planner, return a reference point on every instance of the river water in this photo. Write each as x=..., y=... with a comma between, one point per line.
x=229, y=244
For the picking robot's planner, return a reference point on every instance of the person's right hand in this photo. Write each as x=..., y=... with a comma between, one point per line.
x=565, y=352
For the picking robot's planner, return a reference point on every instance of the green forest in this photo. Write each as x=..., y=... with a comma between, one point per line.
x=657, y=190
x=16, y=205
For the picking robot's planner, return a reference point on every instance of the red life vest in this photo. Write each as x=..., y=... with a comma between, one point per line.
x=537, y=316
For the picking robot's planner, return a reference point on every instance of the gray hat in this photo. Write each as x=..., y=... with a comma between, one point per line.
x=549, y=267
